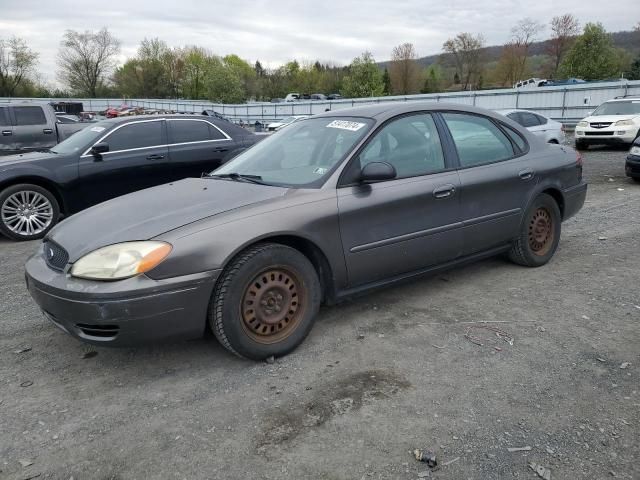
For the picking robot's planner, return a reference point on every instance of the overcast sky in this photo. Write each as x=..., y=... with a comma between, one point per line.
x=276, y=31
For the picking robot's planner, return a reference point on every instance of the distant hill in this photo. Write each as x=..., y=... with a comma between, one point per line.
x=625, y=39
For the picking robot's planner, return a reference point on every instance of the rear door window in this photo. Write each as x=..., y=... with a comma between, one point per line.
x=542, y=120
x=29, y=116
x=478, y=140
x=4, y=117
x=136, y=135
x=529, y=119
x=186, y=131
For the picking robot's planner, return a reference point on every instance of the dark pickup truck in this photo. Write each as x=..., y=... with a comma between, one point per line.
x=27, y=127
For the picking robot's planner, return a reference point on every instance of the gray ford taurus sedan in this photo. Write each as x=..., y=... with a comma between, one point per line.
x=329, y=207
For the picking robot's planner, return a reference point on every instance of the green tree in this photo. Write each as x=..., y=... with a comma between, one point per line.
x=432, y=79
x=17, y=62
x=223, y=82
x=634, y=72
x=364, y=78
x=197, y=63
x=592, y=56
x=386, y=81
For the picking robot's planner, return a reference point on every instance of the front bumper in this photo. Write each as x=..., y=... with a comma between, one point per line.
x=574, y=198
x=632, y=166
x=611, y=135
x=122, y=313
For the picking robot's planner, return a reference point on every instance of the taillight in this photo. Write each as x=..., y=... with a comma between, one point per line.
x=579, y=162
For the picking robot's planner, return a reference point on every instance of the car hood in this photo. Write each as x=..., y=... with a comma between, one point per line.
x=148, y=213
x=609, y=118
x=25, y=157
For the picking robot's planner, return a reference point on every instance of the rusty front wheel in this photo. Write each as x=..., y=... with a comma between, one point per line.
x=273, y=304
x=265, y=301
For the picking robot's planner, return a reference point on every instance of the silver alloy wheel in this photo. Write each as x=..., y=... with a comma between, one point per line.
x=27, y=213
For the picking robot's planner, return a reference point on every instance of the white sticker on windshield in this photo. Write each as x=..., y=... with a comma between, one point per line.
x=97, y=129
x=321, y=170
x=345, y=125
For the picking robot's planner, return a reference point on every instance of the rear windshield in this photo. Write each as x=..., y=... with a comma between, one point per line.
x=632, y=107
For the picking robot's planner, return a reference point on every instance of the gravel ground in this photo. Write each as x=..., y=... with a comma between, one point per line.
x=378, y=376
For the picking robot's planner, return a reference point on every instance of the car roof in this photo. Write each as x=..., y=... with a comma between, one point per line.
x=382, y=111
x=505, y=111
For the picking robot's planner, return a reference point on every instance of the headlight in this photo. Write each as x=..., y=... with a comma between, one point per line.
x=635, y=151
x=582, y=124
x=624, y=123
x=121, y=260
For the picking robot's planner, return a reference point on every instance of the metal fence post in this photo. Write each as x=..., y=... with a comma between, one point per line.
x=564, y=97
x=517, y=97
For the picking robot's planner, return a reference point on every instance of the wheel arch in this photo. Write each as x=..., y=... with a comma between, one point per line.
x=41, y=182
x=309, y=249
x=557, y=195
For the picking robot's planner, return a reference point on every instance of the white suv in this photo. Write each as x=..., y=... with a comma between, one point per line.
x=614, y=122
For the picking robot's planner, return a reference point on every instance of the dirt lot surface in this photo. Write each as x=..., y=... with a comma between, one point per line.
x=378, y=377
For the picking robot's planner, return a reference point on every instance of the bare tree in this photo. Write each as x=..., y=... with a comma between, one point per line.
x=565, y=28
x=522, y=36
x=85, y=60
x=16, y=63
x=404, y=70
x=465, y=48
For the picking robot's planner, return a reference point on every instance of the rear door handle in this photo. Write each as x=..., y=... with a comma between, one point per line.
x=444, y=191
x=155, y=156
x=220, y=149
x=47, y=131
x=526, y=174
x=6, y=133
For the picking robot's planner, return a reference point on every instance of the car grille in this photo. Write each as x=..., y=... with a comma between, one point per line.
x=598, y=133
x=55, y=256
x=600, y=124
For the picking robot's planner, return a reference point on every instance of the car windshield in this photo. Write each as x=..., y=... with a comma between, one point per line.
x=302, y=155
x=83, y=139
x=632, y=107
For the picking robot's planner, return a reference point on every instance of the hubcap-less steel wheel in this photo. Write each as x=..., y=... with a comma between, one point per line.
x=541, y=233
x=27, y=213
x=272, y=306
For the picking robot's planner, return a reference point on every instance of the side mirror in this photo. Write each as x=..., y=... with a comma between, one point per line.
x=377, y=171
x=101, y=147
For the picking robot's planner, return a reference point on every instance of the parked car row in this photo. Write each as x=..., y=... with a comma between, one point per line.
x=26, y=127
x=108, y=159
x=328, y=207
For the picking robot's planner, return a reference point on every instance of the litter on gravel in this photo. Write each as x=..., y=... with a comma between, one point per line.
x=541, y=471
x=426, y=456
x=476, y=340
x=26, y=348
x=519, y=449
x=624, y=365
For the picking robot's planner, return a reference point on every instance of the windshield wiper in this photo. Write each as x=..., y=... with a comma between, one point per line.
x=240, y=177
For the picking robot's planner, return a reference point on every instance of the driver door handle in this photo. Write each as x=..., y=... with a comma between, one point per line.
x=526, y=174
x=444, y=191
x=47, y=131
x=155, y=156
x=220, y=149
x=6, y=133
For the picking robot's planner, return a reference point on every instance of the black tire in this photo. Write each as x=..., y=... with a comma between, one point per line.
x=8, y=229
x=636, y=179
x=539, y=233
x=268, y=330
x=581, y=145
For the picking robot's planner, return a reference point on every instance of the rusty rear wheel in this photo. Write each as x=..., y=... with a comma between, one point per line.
x=540, y=233
x=265, y=301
